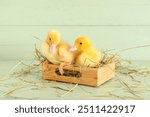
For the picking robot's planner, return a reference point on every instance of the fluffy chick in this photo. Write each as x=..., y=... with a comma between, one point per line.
x=56, y=50
x=87, y=54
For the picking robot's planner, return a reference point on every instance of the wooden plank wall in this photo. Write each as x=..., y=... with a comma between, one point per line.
x=112, y=24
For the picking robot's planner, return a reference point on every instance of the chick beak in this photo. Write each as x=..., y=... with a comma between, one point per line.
x=74, y=48
x=53, y=48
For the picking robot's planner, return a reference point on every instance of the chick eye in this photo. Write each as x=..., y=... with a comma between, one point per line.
x=80, y=43
x=50, y=39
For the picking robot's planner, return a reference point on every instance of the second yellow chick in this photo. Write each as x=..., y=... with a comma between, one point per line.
x=87, y=54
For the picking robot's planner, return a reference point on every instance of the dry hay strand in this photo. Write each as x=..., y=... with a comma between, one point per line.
x=129, y=89
x=128, y=69
x=10, y=71
x=72, y=89
x=26, y=69
x=35, y=37
x=131, y=48
x=107, y=57
x=12, y=90
x=28, y=81
x=60, y=88
x=124, y=66
x=21, y=98
x=23, y=71
x=133, y=71
x=125, y=97
x=39, y=57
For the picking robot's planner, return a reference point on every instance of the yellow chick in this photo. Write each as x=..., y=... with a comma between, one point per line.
x=87, y=54
x=56, y=50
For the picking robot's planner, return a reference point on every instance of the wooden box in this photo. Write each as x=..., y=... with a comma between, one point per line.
x=80, y=75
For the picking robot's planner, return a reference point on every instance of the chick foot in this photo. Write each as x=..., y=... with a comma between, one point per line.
x=61, y=66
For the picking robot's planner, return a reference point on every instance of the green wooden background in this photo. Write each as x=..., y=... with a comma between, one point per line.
x=111, y=24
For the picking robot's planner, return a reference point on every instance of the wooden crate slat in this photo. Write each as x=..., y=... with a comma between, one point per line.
x=89, y=76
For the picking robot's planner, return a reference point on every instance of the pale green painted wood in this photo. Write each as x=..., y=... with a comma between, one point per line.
x=74, y=12
x=18, y=42
x=114, y=24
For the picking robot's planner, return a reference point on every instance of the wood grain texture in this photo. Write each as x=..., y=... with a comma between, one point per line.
x=89, y=76
x=112, y=24
x=105, y=73
x=75, y=12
